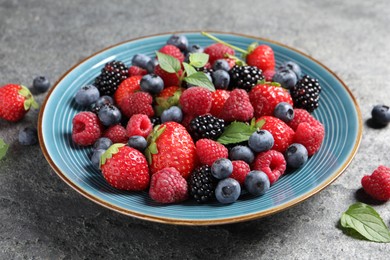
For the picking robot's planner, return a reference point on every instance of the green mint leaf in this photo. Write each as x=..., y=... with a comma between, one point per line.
x=188, y=69
x=366, y=221
x=201, y=80
x=113, y=149
x=236, y=132
x=3, y=148
x=168, y=63
x=198, y=60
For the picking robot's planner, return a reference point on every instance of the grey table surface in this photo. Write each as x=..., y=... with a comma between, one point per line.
x=43, y=218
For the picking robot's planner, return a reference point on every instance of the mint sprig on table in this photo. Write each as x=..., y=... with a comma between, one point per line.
x=363, y=222
x=3, y=148
x=238, y=132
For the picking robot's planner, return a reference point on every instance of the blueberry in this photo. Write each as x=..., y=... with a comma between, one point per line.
x=261, y=141
x=381, y=114
x=221, y=79
x=173, y=113
x=102, y=143
x=109, y=115
x=243, y=153
x=180, y=41
x=104, y=100
x=222, y=168
x=257, y=183
x=296, y=155
x=140, y=60
x=152, y=83
x=195, y=48
x=228, y=190
x=151, y=65
x=284, y=111
x=95, y=158
x=221, y=64
x=28, y=136
x=87, y=95
x=286, y=77
x=41, y=84
x=138, y=142
x=291, y=66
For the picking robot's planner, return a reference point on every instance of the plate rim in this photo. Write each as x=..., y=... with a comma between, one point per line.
x=201, y=222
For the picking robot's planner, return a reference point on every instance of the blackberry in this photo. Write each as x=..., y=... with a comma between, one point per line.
x=245, y=77
x=202, y=184
x=206, y=126
x=306, y=93
x=111, y=76
x=155, y=121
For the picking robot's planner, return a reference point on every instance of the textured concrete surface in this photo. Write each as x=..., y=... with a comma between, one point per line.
x=42, y=218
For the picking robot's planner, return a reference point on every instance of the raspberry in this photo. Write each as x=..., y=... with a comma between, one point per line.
x=137, y=103
x=377, y=185
x=136, y=71
x=237, y=107
x=282, y=133
x=240, y=171
x=168, y=186
x=139, y=124
x=209, y=151
x=219, y=98
x=269, y=74
x=126, y=88
x=117, y=134
x=310, y=135
x=173, y=51
x=202, y=184
x=86, y=128
x=217, y=51
x=301, y=116
x=196, y=101
x=170, y=79
x=271, y=163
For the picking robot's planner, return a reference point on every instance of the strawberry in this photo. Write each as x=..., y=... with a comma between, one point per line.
x=117, y=134
x=209, y=151
x=86, y=128
x=264, y=98
x=240, y=171
x=172, y=51
x=137, y=103
x=237, y=107
x=170, y=145
x=310, y=135
x=136, y=71
x=219, y=98
x=217, y=51
x=168, y=97
x=196, y=101
x=262, y=57
x=377, y=185
x=170, y=79
x=139, y=124
x=271, y=163
x=125, y=168
x=15, y=102
x=126, y=88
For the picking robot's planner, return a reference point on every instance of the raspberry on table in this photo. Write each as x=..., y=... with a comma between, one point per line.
x=377, y=185
x=271, y=163
x=86, y=128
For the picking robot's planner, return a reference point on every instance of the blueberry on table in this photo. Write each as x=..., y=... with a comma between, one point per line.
x=381, y=114
x=173, y=113
x=140, y=60
x=28, y=136
x=291, y=66
x=95, y=158
x=296, y=155
x=41, y=84
x=137, y=142
x=87, y=95
x=221, y=79
x=152, y=83
x=284, y=111
x=260, y=141
x=257, y=183
x=243, y=153
x=228, y=190
x=109, y=115
x=102, y=143
x=180, y=41
x=286, y=77
x=222, y=168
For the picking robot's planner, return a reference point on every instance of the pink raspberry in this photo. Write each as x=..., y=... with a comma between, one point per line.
x=86, y=128
x=240, y=171
x=237, y=107
x=137, y=103
x=117, y=134
x=310, y=135
x=196, y=101
x=209, y=151
x=377, y=185
x=139, y=124
x=271, y=163
x=136, y=71
x=301, y=116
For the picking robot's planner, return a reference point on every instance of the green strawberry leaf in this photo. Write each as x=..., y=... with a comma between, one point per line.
x=188, y=69
x=237, y=60
x=252, y=47
x=260, y=124
x=168, y=63
x=152, y=138
x=29, y=98
x=198, y=60
x=153, y=148
x=3, y=148
x=263, y=82
x=238, y=132
x=113, y=149
x=200, y=79
x=164, y=103
x=365, y=221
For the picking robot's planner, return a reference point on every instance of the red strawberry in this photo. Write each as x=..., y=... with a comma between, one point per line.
x=117, y=134
x=237, y=107
x=172, y=51
x=126, y=88
x=240, y=171
x=139, y=124
x=137, y=103
x=86, y=128
x=136, y=71
x=168, y=97
x=196, y=101
x=171, y=146
x=377, y=185
x=271, y=163
x=310, y=135
x=125, y=168
x=262, y=57
x=209, y=151
x=217, y=51
x=168, y=186
x=282, y=133
x=265, y=97
x=15, y=102
x=219, y=98
x=170, y=79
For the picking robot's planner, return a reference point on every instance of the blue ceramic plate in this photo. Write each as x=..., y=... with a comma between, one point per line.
x=338, y=111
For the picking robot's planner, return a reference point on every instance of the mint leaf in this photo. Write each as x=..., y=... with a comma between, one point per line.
x=168, y=63
x=366, y=221
x=198, y=60
x=200, y=79
x=3, y=148
x=236, y=132
x=188, y=69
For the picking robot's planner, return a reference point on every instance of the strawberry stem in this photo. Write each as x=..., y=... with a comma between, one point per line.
x=225, y=43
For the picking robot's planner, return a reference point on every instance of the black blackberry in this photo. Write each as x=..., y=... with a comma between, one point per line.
x=202, y=184
x=245, y=77
x=306, y=93
x=111, y=76
x=155, y=121
x=206, y=126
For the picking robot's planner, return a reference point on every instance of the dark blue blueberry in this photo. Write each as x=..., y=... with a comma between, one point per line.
x=222, y=168
x=296, y=155
x=152, y=83
x=102, y=143
x=41, y=84
x=261, y=141
x=284, y=111
x=180, y=41
x=95, y=158
x=195, y=48
x=291, y=66
x=151, y=65
x=257, y=183
x=109, y=115
x=228, y=190
x=173, y=113
x=381, y=114
x=243, y=153
x=138, y=142
x=140, y=60
x=221, y=64
x=287, y=78
x=87, y=95
x=28, y=136
x=221, y=79
x=104, y=100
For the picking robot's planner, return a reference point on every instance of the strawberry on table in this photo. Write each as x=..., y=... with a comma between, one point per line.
x=168, y=97
x=219, y=98
x=262, y=57
x=217, y=51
